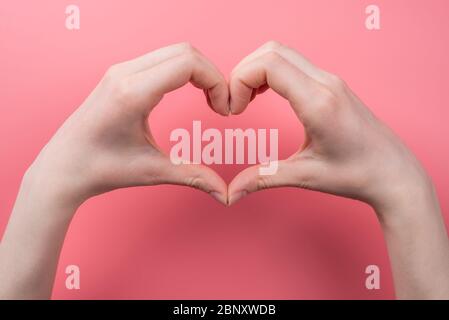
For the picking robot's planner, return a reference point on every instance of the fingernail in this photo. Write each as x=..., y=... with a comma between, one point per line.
x=218, y=196
x=230, y=107
x=237, y=196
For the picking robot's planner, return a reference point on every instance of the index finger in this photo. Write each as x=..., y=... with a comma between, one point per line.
x=279, y=74
x=149, y=86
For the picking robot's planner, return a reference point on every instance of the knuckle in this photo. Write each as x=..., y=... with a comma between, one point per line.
x=122, y=89
x=335, y=83
x=326, y=101
x=113, y=78
x=190, y=56
x=272, y=57
x=118, y=85
x=233, y=74
x=195, y=182
x=188, y=48
x=113, y=72
x=272, y=45
x=263, y=182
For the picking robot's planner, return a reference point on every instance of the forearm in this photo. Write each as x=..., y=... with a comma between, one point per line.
x=32, y=242
x=418, y=245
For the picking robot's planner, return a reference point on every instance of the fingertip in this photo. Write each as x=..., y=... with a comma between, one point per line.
x=223, y=106
x=222, y=198
x=238, y=188
x=240, y=96
x=213, y=184
x=196, y=176
x=220, y=109
x=218, y=99
x=246, y=182
x=224, y=109
x=235, y=107
x=236, y=196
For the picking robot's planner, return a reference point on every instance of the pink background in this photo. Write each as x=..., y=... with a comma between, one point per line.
x=173, y=242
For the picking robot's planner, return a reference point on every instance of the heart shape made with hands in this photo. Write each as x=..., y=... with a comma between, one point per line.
x=141, y=83
x=263, y=69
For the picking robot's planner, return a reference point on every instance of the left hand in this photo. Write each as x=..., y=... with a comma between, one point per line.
x=107, y=144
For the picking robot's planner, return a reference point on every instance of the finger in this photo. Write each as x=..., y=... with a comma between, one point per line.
x=289, y=173
x=258, y=91
x=273, y=70
x=196, y=176
x=148, y=86
x=288, y=54
x=152, y=58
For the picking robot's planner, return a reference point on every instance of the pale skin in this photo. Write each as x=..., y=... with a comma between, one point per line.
x=106, y=144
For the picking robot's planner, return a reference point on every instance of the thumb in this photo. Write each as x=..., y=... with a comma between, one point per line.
x=290, y=173
x=196, y=176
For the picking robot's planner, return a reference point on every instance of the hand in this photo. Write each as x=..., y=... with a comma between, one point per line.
x=107, y=144
x=347, y=151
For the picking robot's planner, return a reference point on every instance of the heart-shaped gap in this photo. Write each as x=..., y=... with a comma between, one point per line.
x=179, y=109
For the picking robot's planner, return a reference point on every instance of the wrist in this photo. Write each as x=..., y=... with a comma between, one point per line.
x=415, y=201
x=417, y=242
x=50, y=188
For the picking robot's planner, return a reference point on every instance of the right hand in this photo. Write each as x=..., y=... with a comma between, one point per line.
x=347, y=150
